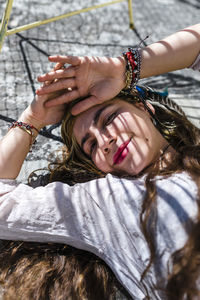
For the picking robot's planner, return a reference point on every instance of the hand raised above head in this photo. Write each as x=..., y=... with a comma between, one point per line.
x=39, y=115
x=37, y=112
x=96, y=78
x=101, y=78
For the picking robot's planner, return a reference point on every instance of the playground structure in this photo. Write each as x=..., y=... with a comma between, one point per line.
x=6, y=16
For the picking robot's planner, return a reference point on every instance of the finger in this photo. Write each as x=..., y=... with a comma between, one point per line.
x=72, y=60
x=61, y=84
x=84, y=105
x=48, y=81
x=61, y=73
x=64, y=98
x=58, y=66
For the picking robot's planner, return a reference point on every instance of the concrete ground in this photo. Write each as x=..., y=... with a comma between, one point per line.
x=104, y=31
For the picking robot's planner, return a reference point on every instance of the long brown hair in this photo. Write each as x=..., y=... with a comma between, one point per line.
x=49, y=271
x=53, y=271
x=184, y=137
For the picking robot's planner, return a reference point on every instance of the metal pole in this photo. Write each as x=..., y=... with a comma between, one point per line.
x=130, y=9
x=38, y=23
x=4, y=22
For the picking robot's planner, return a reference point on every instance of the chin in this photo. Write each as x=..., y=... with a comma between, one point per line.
x=137, y=170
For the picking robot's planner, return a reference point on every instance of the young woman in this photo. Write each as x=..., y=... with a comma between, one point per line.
x=142, y=216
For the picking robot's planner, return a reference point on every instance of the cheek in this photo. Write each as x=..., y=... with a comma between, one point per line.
x=120, y=124
x=100, y=162
x=141, y=150
x=140, y=127
x=128, y=122
x=99, y=158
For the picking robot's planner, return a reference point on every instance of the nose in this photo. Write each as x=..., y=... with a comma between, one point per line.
x=106, y=143
x=105, y=139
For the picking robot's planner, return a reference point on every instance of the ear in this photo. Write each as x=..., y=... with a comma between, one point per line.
x=141, y=106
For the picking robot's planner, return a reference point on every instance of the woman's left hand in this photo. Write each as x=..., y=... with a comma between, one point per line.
x=97, y=79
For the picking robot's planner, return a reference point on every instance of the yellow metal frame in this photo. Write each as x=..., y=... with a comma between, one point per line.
x=4, y=23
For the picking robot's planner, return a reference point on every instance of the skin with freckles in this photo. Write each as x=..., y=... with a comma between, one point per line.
x=119, y=137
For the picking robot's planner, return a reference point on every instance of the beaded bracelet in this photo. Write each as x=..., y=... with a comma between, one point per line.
x=26, y=127
x=133, y=65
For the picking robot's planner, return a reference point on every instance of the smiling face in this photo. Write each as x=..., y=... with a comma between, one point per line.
x=119, y=137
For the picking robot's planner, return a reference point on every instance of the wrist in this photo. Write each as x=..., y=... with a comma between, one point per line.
x=28, y=128
x=121, y=69
x=27, y=118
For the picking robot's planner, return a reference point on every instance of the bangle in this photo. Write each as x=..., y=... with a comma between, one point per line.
x=133, y=65
x=26, y=127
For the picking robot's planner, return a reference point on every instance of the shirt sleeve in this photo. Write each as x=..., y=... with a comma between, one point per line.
x=56, y=213
x=83, y=215
x=196, y=64
x=100, y=216
x=103, y=216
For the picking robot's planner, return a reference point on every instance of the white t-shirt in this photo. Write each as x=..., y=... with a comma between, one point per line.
x=102, y=216
x=196, y=64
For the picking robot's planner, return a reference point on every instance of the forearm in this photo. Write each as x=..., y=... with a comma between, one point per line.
x=177, y=51
x=14, y=148
x=101, y=78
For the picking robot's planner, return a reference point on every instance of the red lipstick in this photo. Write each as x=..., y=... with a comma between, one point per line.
x=121, y=153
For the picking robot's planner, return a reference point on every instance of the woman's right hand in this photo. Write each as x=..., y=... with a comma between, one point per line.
x=39, y=115
x=97, y=78
x=16, y=143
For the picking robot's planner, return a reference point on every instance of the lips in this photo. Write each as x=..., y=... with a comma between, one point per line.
x=121, y=153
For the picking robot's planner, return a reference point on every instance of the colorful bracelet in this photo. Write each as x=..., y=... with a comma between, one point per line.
x=133, y=65
x=26, y=127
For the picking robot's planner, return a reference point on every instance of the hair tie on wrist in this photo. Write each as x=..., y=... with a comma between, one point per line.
x=27, y=128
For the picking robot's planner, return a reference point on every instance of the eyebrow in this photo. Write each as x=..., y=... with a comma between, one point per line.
x=96, y=119
x=84, y=139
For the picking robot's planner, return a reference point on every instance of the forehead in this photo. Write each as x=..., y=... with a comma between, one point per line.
x=86, y=119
